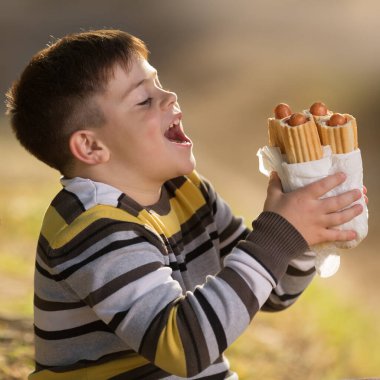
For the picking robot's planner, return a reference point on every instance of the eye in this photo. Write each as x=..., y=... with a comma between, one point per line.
x=146, y=102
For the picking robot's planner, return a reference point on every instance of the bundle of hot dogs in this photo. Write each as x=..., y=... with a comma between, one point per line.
x=301, y=135
x=309, y=145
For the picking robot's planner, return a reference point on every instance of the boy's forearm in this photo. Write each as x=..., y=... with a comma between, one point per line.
x=297, y=277
x=300, y=270
x=274, y=242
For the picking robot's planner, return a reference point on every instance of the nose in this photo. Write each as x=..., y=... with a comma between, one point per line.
x=169, y=99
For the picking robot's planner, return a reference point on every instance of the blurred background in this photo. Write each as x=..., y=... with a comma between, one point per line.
x=230, y=63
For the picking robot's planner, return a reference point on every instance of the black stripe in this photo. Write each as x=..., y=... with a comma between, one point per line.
x=115, y=245
x=129, y=205
x=45, y=273
x=42, y=247
x=174, y=265
x=193, y=339
x=201, y=218
x=55, y=306
x=96, y=326
x=148, y=345
x=176, y=183
x=215, y=323
x=246, y=247
x=68, y=205
x=96, y=231
x=208, y=193
x=228, y=248
x=207, y=245
x=116, y=320
x=69, y=271
x=146, y=372
x=272, y=307
x=88, y=237
x=119, y=282
x=242, y=289
x=218, y=376
x=292, y=271
x=287, y=297
x=194, y=227
x=85, y=363
x=232, y=227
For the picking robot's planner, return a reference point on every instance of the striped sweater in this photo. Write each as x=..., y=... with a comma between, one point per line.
x=130, y=292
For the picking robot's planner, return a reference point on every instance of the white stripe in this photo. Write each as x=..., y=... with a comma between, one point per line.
x=125, y=297
x=63, y=319
x=255, y=275
x=99, y=245
x=238, y=232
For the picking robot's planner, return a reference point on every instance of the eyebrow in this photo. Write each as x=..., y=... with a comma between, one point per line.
x=152, y=74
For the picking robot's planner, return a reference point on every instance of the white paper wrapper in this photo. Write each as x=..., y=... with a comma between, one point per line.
x=294, y=176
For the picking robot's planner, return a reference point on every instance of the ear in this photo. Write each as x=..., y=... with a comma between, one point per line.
x=88, y=148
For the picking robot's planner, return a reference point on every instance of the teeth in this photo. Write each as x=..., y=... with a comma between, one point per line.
x=174, y=124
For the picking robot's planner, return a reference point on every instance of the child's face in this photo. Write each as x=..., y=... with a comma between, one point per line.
x=143, y=129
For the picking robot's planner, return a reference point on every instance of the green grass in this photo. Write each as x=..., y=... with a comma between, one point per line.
x=319, y=337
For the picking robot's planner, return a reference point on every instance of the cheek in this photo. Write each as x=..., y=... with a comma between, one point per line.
x=152, y=129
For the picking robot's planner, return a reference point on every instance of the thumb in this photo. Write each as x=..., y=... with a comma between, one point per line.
x=274, y=192
x=274, y=185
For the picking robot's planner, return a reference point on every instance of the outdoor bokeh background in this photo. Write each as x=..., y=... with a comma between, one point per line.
x=230, y=63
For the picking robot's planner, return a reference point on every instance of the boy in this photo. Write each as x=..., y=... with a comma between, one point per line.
x=142, y=271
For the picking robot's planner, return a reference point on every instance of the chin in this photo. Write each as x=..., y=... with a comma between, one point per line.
x=187, y=168
x=191, y=165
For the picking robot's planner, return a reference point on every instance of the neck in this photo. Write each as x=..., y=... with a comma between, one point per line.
x=144, y=192
x=143, y=196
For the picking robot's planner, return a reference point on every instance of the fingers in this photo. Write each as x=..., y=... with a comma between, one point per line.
x=340, y=235
x=338, y=218
x=319, y=188
x=274, y=194
x=341, y=201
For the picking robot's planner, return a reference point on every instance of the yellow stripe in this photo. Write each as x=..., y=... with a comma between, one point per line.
x=194, y=177
x=181, y=210
x=170, y=354
x=188, y=199
x=53, y=224
x=98, y=372
x=84, y=220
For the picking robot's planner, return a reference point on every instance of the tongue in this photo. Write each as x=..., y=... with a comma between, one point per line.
x=175, y=134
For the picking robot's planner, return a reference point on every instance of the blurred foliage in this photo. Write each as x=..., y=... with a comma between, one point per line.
x=320, y=337
x=16, y=349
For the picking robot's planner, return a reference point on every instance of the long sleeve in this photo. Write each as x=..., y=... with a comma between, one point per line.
x=123, y=278
x=299, y=272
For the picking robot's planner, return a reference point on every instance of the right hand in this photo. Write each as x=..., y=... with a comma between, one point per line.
x=315, y=218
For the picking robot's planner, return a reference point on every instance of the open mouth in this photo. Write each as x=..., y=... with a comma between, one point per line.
x=176, y=135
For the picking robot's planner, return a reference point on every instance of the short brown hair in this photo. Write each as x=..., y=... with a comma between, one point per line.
x=55, y=94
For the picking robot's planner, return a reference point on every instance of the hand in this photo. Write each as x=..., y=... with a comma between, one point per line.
x=313, y=217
